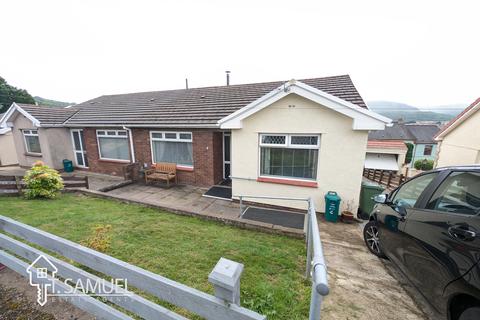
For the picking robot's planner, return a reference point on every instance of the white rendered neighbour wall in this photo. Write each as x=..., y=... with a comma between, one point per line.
x=8, y=155
x=461, y=146
x=55, y=143
x=340, y=161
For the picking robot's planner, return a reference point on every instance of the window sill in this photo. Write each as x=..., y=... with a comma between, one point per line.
x=184, y=168
x=37, y=155
x=291, y=182
x=114, y=161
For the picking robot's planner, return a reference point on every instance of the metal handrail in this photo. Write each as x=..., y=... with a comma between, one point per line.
x=316, y=268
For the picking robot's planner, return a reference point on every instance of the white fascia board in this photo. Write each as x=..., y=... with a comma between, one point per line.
x=457, y=122
x=15, y=107
x=363, y=119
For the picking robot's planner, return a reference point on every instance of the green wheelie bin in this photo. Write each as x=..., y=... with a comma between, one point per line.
x=368, y=191
x=67, y=165
x=332, y=206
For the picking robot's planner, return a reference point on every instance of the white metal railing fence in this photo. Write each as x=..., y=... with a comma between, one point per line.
x=224, y=305
x=316, y=269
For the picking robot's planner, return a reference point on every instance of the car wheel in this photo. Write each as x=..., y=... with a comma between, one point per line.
x=370, y=235
x=472, y=313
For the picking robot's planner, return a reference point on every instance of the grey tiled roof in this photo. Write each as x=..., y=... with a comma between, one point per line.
x=48, y=116
x=417, y=133
x=201, y=107
x=423, y=133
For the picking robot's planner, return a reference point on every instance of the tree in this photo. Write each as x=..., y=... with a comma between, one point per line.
x=10, y=94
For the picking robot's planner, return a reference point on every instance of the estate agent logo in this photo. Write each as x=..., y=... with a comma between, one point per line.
x=39, y=277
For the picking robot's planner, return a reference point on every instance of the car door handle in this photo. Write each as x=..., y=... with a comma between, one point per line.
x=461, y=233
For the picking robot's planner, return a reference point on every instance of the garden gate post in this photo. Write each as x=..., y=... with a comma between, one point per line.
x=225, y=278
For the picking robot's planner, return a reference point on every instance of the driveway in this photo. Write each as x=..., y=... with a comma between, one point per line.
x=363, y=286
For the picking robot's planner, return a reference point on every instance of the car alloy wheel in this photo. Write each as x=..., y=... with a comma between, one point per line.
x=370, y=235
x=372, y=238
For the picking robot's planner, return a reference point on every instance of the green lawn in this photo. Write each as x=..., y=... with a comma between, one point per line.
x=184, y=249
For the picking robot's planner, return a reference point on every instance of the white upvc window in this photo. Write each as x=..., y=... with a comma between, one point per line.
x=173, y=147
x=113, y=145
x=289, y=155
x=32, y=141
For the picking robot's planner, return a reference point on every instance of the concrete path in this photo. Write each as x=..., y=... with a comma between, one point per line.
x=363, y=286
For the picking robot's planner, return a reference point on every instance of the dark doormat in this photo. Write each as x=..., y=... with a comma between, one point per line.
x=277, y=217
x=219, y=192
x=226, y=182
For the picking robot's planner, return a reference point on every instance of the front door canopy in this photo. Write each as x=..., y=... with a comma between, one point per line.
x=363, y=119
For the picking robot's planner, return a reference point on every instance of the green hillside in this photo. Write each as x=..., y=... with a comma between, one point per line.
x=52, y=103
x=396, y=110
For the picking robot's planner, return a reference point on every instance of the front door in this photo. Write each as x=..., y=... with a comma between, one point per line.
x=226, y=155
x=79, y=148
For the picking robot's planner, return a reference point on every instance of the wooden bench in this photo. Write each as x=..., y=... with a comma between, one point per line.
x=162, y=171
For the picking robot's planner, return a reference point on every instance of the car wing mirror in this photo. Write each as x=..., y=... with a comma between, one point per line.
x=381, y=198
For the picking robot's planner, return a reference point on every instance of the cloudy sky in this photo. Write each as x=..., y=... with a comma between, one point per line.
x=417, y=52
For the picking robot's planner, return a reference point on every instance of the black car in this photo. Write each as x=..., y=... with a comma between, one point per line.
x=430, y=228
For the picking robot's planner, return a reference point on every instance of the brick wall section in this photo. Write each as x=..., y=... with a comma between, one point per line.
x=207, y=156
x=94, y=162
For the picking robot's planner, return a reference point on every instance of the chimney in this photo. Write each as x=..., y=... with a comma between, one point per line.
x=186, y=83
x=228, y=77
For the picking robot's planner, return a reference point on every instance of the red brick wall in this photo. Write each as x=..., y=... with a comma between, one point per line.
x=207, y=156
x=94, y=162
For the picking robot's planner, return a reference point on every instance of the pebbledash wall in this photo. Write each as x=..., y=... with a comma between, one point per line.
x=207, y=155
x=55, y=143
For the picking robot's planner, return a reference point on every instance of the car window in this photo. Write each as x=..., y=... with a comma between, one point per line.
x=459, y=193
x=408, y=194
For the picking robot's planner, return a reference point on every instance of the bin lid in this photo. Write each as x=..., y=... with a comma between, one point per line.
x=332, y=195
x=372, y=185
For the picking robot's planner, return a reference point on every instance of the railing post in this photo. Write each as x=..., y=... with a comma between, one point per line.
x=225, y=278
x=309, y=243
x=241, y=205
x=87, y=186
x=315, y=304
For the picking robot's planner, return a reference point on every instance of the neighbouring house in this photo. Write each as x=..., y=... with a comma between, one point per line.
x=385, y=155
x=459, y=140
x=296, y=138
x=8, y=154
x=39, y=134
x=420, y=135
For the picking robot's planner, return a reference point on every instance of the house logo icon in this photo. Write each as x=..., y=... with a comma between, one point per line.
x=38, y=276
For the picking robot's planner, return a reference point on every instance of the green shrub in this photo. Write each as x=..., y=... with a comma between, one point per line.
x=423, y=164
x=42, y=182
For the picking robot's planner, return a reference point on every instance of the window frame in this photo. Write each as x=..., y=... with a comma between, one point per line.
x=177, y=139
x=116, y=136
x=287, y=145
x=431, y=149
x=426, y=193
x=441, y=178
x=30, y=134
